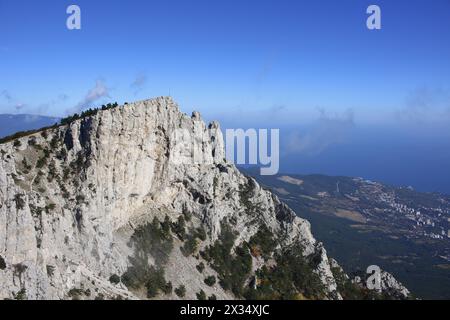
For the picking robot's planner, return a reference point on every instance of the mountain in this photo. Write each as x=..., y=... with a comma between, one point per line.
x=101, y=207
x=12, y=123
x=365, y=223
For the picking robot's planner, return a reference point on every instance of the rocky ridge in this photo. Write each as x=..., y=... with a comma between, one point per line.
x=103, y=208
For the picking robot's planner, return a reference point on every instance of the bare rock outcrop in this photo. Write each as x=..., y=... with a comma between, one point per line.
x=75, y=201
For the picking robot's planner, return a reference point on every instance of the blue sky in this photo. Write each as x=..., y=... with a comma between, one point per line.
x=337, y=90
x=225, y=58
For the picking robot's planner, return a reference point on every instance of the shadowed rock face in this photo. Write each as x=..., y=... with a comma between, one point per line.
x=77, y=207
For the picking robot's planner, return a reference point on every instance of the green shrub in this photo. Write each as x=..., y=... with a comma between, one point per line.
x=233, y=270
x=87, y=113
x=32, y=141
x=80, y=199
x=100, y=296
x=137, y=274
x=20, y=203
x=21, y=295
x=51, y=171
x=180, y=291
x=62, y=154
x=114, y=279
x=190, y=246
x=167, y=288
x=201, y=295
x=36, y=211
x=41, y=162
x=156, y=283
x=353, y=291
x=46, y=153
x=179, y=228
x=54, y=142
x=263, y=241
x=291, y=277
x=210, y=281
x=187, y=215
x=21, y=134
x=19, y=269
x=50, y=207
x=245, y=194
x=165, y=225
x=200, y=267
x=77, y=165
x=201, y=233
x=25, y=165
x=156, y=240
x=65, y=121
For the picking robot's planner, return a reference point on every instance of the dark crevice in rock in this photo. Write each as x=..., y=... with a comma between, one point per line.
x=2, y=263
x=85, y=134
x=79, y=219
x=68, y=139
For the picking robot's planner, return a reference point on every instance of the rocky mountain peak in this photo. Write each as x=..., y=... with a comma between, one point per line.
x=112, y=205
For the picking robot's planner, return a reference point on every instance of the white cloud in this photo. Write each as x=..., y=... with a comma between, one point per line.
x=6, y=95
x=138, y=83
x=426, y=104
x=93, y=95
x=20, y=106
x=328, y=130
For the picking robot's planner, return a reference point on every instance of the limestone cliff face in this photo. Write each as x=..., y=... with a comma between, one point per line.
x=72, y=197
